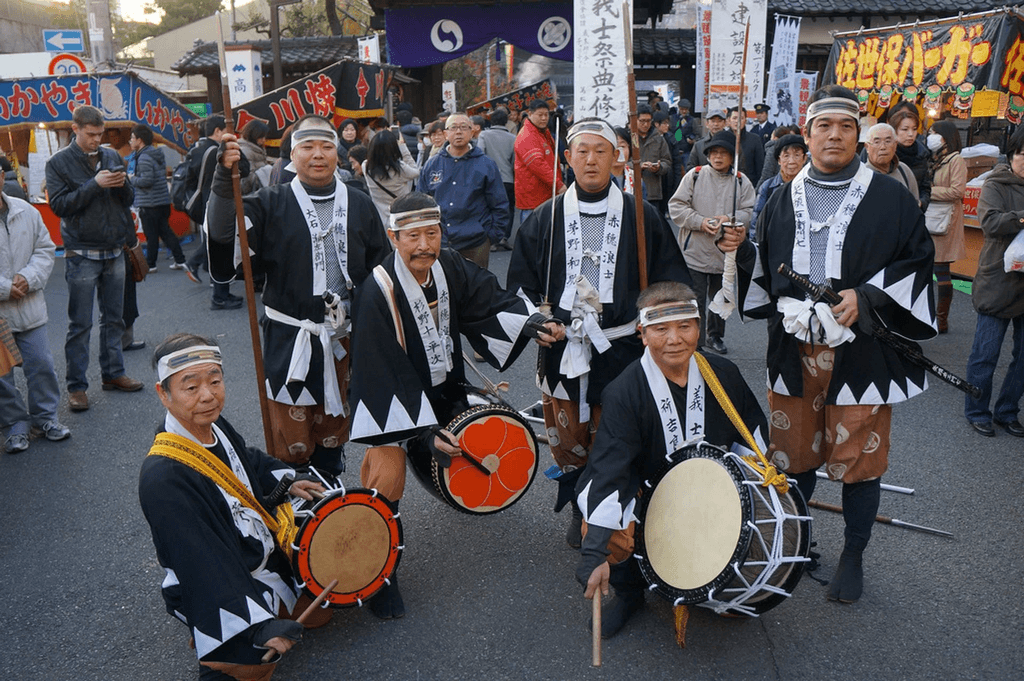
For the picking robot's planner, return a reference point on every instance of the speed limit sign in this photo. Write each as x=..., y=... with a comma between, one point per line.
x=63, y=64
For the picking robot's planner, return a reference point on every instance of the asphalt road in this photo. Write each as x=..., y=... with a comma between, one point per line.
x=495, y=597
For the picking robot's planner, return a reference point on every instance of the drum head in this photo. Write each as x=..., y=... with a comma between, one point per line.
x=503, y=442
x=353, y=537
x=693, y=524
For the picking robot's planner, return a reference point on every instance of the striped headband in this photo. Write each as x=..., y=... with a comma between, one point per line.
x=676, y=310
x=593, y=127
x=834, y=105
x=413, y=219
x=315, y=133
x=180, y=360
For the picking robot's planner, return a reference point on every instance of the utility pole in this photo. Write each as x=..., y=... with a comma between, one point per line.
x=101, y=36
x=275, y=38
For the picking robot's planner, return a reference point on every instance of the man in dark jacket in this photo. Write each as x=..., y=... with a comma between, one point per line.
x=90, y=192
x=751, y=146
x=203, y=164
x=468, y=189
x=152, y=197
x=714, y=123
x=655, y=157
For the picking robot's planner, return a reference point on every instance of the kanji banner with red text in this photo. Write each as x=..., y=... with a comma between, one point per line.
x=120, y=97
x=517, y=100
x=343, y=90
x=974, y=52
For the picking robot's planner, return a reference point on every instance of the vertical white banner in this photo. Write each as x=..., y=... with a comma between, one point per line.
x=448, y=95
x=703, y=55
x=728, y=23
x=779, y=95
x=599, y=72
x=245, y=77
x=804, y=83
x=369, y=49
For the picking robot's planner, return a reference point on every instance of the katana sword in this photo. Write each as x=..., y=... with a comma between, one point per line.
x=883, y=519
x=908, y=351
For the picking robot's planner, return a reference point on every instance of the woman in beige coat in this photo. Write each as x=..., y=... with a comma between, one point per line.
x=949, y=183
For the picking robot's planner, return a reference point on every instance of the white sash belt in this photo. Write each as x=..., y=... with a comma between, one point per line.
x=807, y=320
x=302, y=352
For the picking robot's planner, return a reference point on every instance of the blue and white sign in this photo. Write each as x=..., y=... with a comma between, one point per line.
x=65, y=40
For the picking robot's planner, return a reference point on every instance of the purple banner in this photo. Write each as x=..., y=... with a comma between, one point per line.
x=422, y=36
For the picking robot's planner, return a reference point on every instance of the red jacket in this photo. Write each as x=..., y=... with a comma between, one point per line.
x=535, y=164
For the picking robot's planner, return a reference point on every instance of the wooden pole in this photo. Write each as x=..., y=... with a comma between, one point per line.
x=638, y=185
x=310, y=609
x=596, y=629
x=243, y=241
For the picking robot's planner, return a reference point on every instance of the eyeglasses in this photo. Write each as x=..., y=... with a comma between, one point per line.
x=459, y=128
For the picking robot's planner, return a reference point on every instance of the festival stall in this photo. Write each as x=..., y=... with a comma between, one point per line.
x=969, y=67
x=518, y=100
x=35, y=122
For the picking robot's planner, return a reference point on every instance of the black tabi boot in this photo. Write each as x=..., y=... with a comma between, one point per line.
x=628, y=585
x=574, y=533
x=328, y=460
x=860, y=506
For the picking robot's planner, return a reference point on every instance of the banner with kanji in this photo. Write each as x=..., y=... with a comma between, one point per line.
x=599, y=69
x=728, y=25
x=343, y=90
x=121, y=97
x=803, y=84
x=779, y=95
x=703, y=57
x=517, y=100
x=963, y=54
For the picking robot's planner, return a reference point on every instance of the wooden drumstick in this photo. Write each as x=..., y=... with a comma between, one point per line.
x=306, y=613
x=596, y=629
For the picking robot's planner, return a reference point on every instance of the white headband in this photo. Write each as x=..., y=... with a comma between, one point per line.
x=677, y=310
x=315, y=133
x=834, y=105
x=180, y=360
x=593, y=127
x=413, y=219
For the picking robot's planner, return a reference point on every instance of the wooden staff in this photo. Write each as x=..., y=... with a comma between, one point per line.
x=596, y=629
x=883, y=519
x=638, y=185
x=306, y=613
x=243, y=241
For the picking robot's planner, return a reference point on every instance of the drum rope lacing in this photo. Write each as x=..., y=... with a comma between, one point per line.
x=758, y=462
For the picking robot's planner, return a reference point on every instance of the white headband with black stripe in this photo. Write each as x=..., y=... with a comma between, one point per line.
x=677, y=310
x=180, y=360
x=834, y=105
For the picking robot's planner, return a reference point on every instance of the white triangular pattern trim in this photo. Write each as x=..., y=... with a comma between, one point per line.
x=426, y=417
x=609, y=513
x=363, y=423
x=845, y=396
x=914, y=389
x=305, y=399
x=872, y=396
x=398, y=417
x=257, y=613
x=560, y=392
x=780, y=386
x=279, y=473
x=896, y=393
x=282, y=395
x=499, y=348
x=902, y=293
x=204, y=644
x=512, y=323
x=759, y=439
x=231, y=624
x=170, y=579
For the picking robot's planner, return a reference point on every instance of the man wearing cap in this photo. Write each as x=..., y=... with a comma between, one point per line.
x=218, y=534
x=707, y=198
x=587, y=269
x=654, y=407
x=535, y=169
x=683, y=132
x=316, y=240
x=763, y=128
x=467, y=186
x=714, y=123
x=655, y=156
x=408, y=378
x=831, y=383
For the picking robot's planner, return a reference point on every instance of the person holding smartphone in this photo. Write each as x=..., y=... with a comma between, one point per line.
x=90, y=192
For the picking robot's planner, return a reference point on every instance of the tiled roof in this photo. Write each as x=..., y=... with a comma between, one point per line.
x=655, y=46
x=297, y=55
x=892, y=8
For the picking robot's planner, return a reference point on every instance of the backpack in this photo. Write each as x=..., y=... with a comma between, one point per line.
x=187, y=189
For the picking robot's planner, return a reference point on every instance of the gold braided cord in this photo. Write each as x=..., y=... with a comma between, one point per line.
x=758, y=462
x=199, y=459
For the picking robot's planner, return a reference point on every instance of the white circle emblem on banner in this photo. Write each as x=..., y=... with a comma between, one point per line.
x=446, y=36
x=554, y=34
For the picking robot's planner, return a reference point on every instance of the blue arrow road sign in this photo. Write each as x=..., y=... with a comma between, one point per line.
x=63, y=41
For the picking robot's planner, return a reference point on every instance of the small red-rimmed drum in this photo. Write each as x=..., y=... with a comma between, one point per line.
x=710, y=534
x=501, y=440
x=352, y=535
